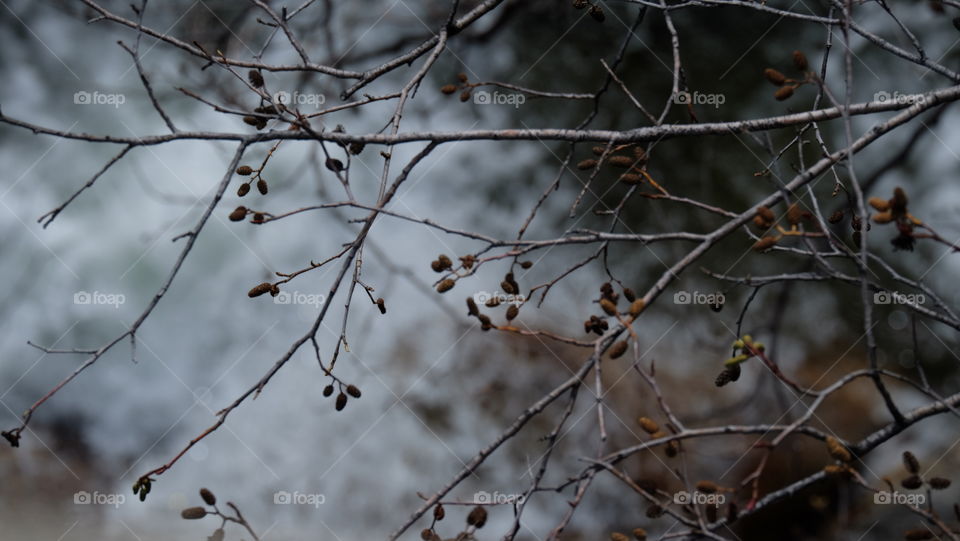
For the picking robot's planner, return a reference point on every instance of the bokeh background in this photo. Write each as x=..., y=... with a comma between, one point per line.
x=436, y=388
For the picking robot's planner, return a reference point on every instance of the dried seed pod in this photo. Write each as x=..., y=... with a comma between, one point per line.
x=426, y=534
x=761, y=223
x=238, y=214
x=512, y=312
x=617, y=536
x=485, y=322
x=774, y=76
x=261, y=124
x=629, y=294
x=898, y=204
x=608, y=306
x=251, y=120
x=353, y=391
x=526, y=264
x=648, y=425
x=208, y=496
x=784, y=92
x=438, y=512
x=472, y=309
x=800, y=61
x=255, y=78
x=334, y=165
x=258, y=218
x=708, y=487
x=640, y=534
x=356, y=148
x=837, y=450
x=244, y=170
x=766, y=214
x=589, y=163
x=492, y=302
x=262, y=187
x=266, y=109
x=477, y=517
x=436, y=266
x=445, y=285
x=879, y=203
x=636, y=307
x=654, y=511
x=259, y=289
x=672, y=449
x=764, y=244
x=508, y=288
x=465, y=96
x=910, y=462
x=836, y=217
x=597, y=13
x=382, y=305
x=794, y=214
x=445, y=262
x=243, y=189
x=448, y=89
x=918, y=535
x=467, y=261
x=193, y=513
x=328, y=390
x=938, y=483
x=621, y=161
x=618, y=349
x=630, y=179
x=883, y=217
x=341, y=401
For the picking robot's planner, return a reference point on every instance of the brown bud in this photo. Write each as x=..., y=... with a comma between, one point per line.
x=608, y=306
x=334, y=165
x=445, y=285
x=621, y=161
x=341, y=401
x=883, y=217
x=764, y=244
x=879, y=203
x=436, y=266
x=262, y=186
x=243, y=190
x=328, y=390
x=910, y=462
x=448, y=89
x=767, y=214
x=794, y=214
x=252, y=120
x=835, y=217
x=445, y=262
x=259, y=289
x=244, y=170
x=589, y=163
x=255, y=78
x=526, y=264
x=800, y=61
x=898, y=204
x=472, y=309
x=783, y=93
x=382, y=305
x=258, y=218
x=837, y=450
x=636, y=307
x=629, y=294
x=640, y=534
x=939, y=483
x=630, y=179
x=672, y=449
x=353, y=391
x=356, y=148
x=465, y=96
x=208, y=496
x=512, y=312
x=462, y=77
x=648, y=425
x=618, y=349
x=580, y=4
x=508, y=288
x=438, y=512
x=597, y=13
x=193, y=513
x=774, y=76
x=477, y=517
x=238, y=214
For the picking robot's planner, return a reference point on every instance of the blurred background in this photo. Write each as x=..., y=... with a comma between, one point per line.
x=436, y=389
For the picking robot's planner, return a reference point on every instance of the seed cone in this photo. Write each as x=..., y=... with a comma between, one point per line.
x=208, y=496
x=260, y=289
x=648, y=425
x=193, y=513
x=774, y=76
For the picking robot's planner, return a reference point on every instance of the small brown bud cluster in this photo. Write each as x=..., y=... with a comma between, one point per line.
x=894, y=210
x=630, y=157
x=441, y=263
x=142, y=487
x=595, y=10
x=477, y=517
x=341, y=400
x=729, y=374
x=255, y=78
x=463, y=86
x=837, y=450
x=787, y=85
x=914, y=480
